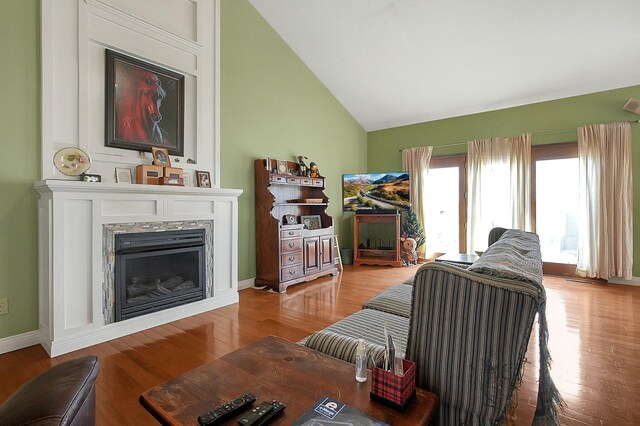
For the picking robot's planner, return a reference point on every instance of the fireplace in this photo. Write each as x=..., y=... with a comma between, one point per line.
x=158, y=270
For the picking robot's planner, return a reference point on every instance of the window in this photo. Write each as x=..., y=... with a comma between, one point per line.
x=445, y=214
x=554, y=177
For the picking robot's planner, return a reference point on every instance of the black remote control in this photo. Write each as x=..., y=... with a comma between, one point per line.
x=261, y=414
x=226, y=410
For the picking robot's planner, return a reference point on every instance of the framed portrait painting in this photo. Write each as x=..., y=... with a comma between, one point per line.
x=144, y=105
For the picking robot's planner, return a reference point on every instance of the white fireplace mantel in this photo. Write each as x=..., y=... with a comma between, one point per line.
x=71, y=278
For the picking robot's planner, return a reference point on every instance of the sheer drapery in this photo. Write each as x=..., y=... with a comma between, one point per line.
x=605, y=247
x=499, y=187
x=416, y=162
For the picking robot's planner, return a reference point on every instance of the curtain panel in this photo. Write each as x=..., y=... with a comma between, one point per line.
x=416, y=162
x=499, y=187
x=605, y=242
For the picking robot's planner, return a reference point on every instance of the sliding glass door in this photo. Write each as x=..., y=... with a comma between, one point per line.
x=445, y=206
x=555, y=205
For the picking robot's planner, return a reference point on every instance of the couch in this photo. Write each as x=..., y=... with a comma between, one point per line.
x=62, y=395
x=466, y=328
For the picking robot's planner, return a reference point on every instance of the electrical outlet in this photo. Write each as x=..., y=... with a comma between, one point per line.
x=4, y=306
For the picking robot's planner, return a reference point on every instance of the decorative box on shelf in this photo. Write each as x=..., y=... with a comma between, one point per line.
x=148, y=174
x=175, y=181
x=173, y=172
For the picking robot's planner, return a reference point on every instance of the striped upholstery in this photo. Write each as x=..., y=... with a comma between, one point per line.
x=395, y=300
x=343, y=347
x=469, y=335
x=368, y=323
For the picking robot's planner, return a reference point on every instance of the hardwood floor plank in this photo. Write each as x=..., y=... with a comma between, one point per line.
x=594, y=338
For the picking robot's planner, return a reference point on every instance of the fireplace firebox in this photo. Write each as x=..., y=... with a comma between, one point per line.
x=158, y=270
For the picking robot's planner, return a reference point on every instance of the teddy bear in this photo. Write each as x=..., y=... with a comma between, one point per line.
x=408, y=254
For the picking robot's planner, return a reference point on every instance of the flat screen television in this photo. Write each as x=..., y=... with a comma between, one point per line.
x=368, y=191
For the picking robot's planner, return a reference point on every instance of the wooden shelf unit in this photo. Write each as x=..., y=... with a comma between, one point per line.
x=290, y=254
x=376, y=256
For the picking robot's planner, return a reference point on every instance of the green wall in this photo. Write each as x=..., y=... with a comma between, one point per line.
x=273, y=106
x=20, y=127
x=569, y=113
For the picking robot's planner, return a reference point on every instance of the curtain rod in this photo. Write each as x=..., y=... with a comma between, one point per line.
x=532, y=134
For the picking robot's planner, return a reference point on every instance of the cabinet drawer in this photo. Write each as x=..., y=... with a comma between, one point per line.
x=291, y=259
x=289, y=245
x=279, y=179
x=293, y=180
x=306, y=181
x=290, y=233
x=291, y=273
x=317, y=182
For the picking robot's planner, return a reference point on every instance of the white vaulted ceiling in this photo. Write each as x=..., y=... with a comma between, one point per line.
x=396, y=62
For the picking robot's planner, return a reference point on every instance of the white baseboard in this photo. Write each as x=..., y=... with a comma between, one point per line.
x=245, y=284
x=633, y=281
x=19, y=341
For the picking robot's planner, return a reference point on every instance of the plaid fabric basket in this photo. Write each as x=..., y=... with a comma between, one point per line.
x=394, y=390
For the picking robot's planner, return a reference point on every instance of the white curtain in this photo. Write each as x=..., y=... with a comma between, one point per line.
x=499, y=187
x=605, y=247
x=416, y=162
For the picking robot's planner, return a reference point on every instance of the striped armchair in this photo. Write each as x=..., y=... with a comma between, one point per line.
x=469, y=331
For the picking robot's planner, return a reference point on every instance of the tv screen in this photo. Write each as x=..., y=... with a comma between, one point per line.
x=375, y=191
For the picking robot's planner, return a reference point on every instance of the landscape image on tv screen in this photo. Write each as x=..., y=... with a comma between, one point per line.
x=376, y=191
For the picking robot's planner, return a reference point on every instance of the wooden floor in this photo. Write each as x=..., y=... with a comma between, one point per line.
x=594, y=328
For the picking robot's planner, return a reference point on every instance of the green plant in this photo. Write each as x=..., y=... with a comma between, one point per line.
x=411, y=228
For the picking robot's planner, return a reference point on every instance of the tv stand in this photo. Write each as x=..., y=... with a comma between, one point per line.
x=376, y=256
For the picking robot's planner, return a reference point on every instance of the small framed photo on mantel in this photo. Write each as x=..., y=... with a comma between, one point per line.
x=204, y=179
x=123, y=175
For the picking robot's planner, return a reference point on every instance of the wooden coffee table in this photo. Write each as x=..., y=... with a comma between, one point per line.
x=273, y=368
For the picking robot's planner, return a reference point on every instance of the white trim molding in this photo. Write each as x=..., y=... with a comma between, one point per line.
x=245, y=284
x=19, y=341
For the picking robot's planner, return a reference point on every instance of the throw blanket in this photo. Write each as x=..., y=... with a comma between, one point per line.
x=516, y=255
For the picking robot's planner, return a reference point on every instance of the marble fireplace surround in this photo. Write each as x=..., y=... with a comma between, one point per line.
x=75, y=218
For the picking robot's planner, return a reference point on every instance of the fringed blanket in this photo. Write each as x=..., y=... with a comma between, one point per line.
x=516, y=255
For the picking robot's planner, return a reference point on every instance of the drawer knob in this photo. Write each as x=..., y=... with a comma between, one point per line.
x=291, y=258
x=291, y=232
x=292, y=245
x=291, y=272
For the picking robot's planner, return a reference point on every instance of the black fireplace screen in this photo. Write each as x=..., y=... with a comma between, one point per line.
x=158, y=270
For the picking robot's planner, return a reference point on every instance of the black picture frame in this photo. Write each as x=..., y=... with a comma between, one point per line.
x=144, y=105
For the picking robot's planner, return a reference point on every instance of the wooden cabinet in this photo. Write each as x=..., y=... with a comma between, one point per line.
x=376, y=255
x=288, y=254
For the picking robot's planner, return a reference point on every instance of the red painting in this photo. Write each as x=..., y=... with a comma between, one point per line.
x=145, y=105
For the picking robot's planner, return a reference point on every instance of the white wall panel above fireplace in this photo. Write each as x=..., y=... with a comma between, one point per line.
x=180, y=35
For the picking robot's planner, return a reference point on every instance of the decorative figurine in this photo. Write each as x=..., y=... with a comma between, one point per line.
x=302, y=167
x=314, y=172
x=409, y=255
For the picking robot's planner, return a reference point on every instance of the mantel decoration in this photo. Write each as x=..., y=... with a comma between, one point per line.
x=72, y=161
x=144, y=105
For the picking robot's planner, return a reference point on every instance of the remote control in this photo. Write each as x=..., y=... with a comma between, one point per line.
x=226, y=410
x=277, y=409
x=261, y=414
